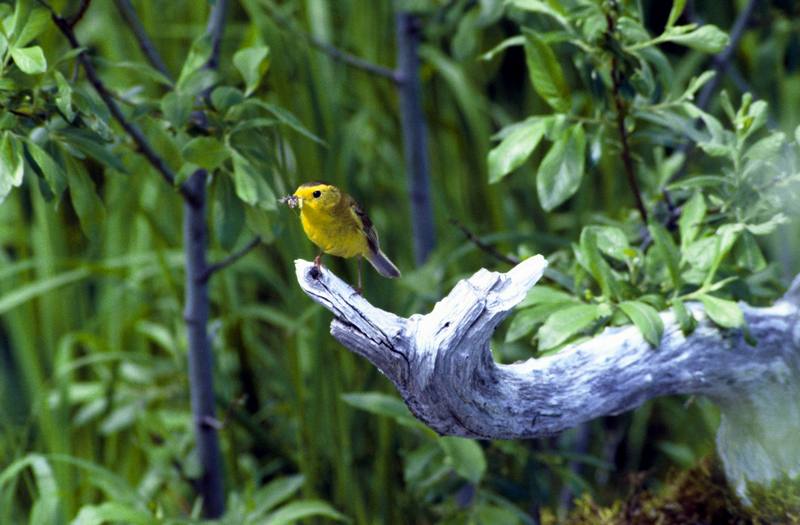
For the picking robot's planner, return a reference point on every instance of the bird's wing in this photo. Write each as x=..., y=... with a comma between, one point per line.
x=367, y=227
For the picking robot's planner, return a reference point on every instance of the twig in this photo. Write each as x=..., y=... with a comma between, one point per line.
x=128, y=13
x=108, y=99
x=415, y=140
x=353, y=60
x=230, y=259
x=334, y=52
x=74, y=19
x=484, y=246
x=627, y=162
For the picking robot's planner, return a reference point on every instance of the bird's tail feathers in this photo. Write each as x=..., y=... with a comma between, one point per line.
x=382, y=264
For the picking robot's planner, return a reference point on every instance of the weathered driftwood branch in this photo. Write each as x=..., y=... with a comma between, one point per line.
x=443, y=367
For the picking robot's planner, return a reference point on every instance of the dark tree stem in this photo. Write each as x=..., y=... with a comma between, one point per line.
x=414, y=135
x=128, y=13
x=201, y=377
x=627, y=161
x=201, y=381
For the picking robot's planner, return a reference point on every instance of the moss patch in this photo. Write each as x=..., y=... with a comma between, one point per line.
x=699, y=495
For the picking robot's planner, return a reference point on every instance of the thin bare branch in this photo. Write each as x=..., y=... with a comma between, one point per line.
x=230, y=259
x=488, y=248
x=74, y=19
x=128, y=13
x=353, y=60
x=621, y=113
x=131, y=129
x=332, y=51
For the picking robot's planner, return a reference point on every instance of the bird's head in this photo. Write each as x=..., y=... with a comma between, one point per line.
x=317, y=195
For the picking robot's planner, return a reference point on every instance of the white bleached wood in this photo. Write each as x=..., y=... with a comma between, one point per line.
x=442, y=365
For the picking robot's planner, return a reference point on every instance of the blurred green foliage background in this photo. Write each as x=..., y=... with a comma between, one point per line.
x=93, y=378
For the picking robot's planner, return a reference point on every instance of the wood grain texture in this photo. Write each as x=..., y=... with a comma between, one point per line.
x=442, y=365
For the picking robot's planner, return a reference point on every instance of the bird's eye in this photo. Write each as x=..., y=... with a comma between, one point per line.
x=316, y=194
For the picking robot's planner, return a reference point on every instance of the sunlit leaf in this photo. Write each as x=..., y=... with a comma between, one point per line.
x=646, y=319
x=252, y=63
x=29, y=60
x=515, y=148
x=723, y=312
x=567, y=322
x=545, y=72
x=561, y=170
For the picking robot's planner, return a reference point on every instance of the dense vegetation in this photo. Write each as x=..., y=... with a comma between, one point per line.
x=591, y=132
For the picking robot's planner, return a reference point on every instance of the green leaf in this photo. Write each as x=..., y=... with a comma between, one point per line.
x=766, y=149
x=206, y=152
x=553, y=9
x=517, y=40
x=797, y=134
x=64, y=97
x=12, y=167
x=723, y=312
x=29, y=60
x=668, y=251
x=748, y=254
x=228, y=214
x=298, y=510
x=382, y=404
x=675, y=12
x=225, y=97
x=250, y=185
x=646, y=318
x=691, y=219
x=136, y=69
x=684, y=317
x=252, y=63
x=24, y=293
x=36, y=23
x=276, y=492
x=543, y=294
x=465, y=457
x=567, y=322
x=47, y=168
x=526, y=320
x=545, y=73
x=590, y=258
x=83, y=194
x=289, y=119
x=177, y=107
x=515, y=148
x=612, y=241
x=92, y=146
x=725, y=238
x=561, y=170
x=197, y=58
x=112, y=512
x=708, y=38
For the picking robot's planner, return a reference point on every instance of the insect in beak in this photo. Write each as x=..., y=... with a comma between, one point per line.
x=293, y=201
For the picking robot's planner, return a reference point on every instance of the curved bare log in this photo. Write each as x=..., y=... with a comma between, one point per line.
x=442, y=365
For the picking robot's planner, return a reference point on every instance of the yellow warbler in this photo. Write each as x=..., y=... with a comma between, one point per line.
x=335, y=222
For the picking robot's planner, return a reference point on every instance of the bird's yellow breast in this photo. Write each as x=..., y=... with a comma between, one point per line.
x=335, y=231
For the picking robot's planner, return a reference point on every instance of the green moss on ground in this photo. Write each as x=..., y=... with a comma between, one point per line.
x=699, y=495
